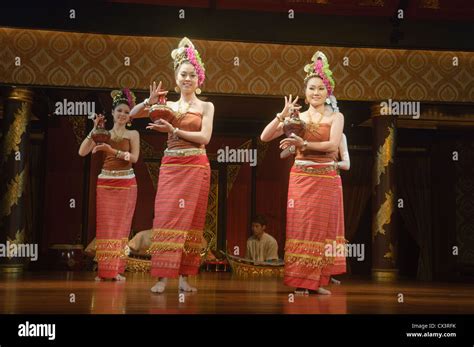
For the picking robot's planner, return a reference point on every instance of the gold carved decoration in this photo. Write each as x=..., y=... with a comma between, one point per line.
x=384, y=155
x=15, y=132
x=383, y=216
x=13, y=193
x=21, y=94
x=390, y=255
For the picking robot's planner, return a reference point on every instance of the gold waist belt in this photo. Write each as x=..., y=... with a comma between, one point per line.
x=316, y=170
x=184, y=152
x=117, y=173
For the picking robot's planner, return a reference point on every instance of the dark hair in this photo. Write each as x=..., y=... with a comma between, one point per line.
x=306, y=80
x=120, y=102
x=260, y=219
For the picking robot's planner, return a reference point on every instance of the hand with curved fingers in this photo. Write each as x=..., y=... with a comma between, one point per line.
x=104, y=147
x=161, y=125
x=290, y=106
x=97, y=119
x=156, y=93
x=293, y=140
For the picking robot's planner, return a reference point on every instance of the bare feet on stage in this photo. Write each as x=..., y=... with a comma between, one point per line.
x=160, y=286
x=335, y=281
x=303, y=291
x=323, y=291
x=118, y=278
x=184, y=285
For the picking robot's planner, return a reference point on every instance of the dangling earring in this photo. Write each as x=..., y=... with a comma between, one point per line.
x=129, y=123
x=328, y=101
x=176, y=89
x=198, y=91
x=306, y=101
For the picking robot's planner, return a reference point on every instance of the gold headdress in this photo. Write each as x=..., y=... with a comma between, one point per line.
x=124, y=95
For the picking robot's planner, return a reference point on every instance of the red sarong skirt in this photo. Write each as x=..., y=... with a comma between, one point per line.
x=116, y=199
x=180, y=215
x=315, y=227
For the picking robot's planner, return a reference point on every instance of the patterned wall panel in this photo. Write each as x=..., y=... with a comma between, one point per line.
x=99, y=61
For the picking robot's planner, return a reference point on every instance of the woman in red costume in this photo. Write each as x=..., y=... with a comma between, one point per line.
x=184, y=180
x=116, y=187
x=315, y=219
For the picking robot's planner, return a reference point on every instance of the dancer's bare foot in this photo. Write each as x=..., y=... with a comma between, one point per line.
x=98, y=279
x=160, y=286
x=119, y=278
x=323, y=291
x=335, y=281
x=184, y=285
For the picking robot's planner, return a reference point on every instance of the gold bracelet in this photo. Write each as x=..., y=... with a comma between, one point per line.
x=118, y=153
x=279, y=118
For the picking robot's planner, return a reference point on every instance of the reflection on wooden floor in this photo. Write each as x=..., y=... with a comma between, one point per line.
x=50, y=292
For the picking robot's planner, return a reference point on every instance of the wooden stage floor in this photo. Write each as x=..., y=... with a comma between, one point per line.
x=223, y=293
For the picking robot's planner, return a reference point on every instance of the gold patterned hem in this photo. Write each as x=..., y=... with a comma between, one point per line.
x=188, y=248
x=163, y=235
x=308, y=260
x=110, y=249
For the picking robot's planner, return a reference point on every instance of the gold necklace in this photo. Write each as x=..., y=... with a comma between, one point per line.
x=181, y=114
x=117, y=137
x=313, y=127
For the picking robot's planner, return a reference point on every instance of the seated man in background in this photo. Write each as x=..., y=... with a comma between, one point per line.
x=261, y=246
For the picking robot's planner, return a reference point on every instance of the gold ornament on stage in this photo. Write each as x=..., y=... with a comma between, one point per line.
x=292, y=125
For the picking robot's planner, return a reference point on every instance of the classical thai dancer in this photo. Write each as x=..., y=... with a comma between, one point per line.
x=315, y=219
x=116, y=193
x=184, y=179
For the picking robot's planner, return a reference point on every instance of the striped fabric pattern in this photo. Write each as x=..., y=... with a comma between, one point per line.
x=315, y=221
x=180, y=215
x=116, y=200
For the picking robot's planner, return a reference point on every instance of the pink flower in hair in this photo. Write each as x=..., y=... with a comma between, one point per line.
x=195, y=61
x=318, y=68
x=129, y=97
